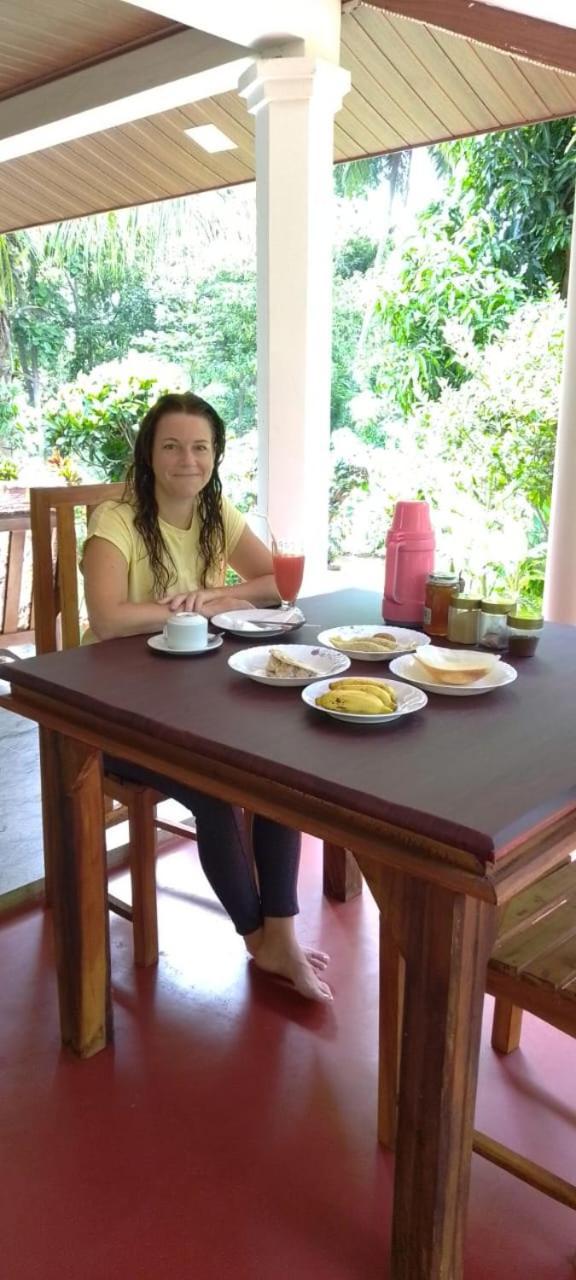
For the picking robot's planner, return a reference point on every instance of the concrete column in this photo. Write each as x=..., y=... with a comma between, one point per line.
x=560, y=589
x=294, y=100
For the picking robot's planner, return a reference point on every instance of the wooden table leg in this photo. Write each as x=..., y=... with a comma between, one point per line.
x=342, y=878
x=448, y=942
x=78, y=868
x=46, y=741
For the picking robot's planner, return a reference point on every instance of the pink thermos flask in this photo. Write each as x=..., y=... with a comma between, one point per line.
x=410, y=545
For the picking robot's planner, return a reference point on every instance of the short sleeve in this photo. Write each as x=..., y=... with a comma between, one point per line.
x=234, y=526
x=113, y=522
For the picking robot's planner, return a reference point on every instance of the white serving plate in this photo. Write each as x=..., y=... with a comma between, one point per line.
x=406, y=639
x=252, y=663
x=159, y=645
x=259, y=622
x=408, y=668
x=409, y=701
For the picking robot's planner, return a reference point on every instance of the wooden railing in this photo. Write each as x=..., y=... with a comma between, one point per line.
x=16, y=607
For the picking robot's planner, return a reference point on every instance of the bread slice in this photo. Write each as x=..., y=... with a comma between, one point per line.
x=447, y=667
x=281, y=664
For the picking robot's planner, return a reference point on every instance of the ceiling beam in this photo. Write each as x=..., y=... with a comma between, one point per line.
x=259, y=23
x=172, y=72
x=504, y=29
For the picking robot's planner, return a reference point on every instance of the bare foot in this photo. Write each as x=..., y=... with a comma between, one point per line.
x=297, y=966
x=317, y=959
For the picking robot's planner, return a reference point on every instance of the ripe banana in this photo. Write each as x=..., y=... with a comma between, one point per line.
x=351, y=682
x=354, y=701
x=376, y=689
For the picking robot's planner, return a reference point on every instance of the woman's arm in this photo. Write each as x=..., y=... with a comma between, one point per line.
x=252, y=561
x=110, y=613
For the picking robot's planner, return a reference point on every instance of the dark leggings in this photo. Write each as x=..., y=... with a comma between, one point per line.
x=225, y=853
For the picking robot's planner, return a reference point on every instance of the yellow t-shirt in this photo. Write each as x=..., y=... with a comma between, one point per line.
x=114, y=521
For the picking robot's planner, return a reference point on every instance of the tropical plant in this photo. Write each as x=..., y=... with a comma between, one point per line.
x=94, y=420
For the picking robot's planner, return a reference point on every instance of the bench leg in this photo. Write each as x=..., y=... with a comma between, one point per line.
x=506, y=1025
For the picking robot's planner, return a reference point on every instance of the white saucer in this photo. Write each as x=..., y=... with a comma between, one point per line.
x=158, y=643
x=409, y=669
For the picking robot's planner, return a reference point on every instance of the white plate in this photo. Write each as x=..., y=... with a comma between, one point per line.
x=409, y=700
x=158, y=643
x=252, y=663
x=261, y=622
x=409, y=669
x=406, y=640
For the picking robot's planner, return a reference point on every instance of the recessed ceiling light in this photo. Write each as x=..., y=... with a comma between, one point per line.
x=210, y=138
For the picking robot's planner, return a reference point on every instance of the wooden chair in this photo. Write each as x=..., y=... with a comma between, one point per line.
x=532, y=967
x=58, y=626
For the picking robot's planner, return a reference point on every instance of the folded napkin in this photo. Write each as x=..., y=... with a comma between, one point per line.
x=288, y=616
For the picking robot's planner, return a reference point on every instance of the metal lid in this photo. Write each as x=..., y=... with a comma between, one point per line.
x=443, y=579
x=465, y=602
x=497, y=606
x=523, y=623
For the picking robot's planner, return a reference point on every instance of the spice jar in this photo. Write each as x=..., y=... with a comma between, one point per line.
x=494, y=623
x=523, y=635
x=440, y=587
x=464, y=620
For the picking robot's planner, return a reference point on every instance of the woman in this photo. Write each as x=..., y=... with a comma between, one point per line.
x=164, y=549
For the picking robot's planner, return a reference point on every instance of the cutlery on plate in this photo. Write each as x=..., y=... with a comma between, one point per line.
x=267, y=626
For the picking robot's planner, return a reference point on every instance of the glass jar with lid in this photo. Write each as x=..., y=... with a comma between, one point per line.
x=494, y=623
x=464, y=620
x=440, y=587
x=523, y=635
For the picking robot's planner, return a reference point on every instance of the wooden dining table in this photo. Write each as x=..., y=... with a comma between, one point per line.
x=449, y=813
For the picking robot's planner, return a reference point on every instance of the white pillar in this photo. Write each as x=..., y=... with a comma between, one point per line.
x=294, y=100
x=560, y=590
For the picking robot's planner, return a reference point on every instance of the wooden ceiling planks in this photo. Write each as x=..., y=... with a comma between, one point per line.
x=43, y=38
x=412, y=83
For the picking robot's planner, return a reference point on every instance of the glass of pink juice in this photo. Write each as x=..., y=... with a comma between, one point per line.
x=288, y=560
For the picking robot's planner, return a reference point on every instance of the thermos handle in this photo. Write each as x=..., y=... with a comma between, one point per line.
x=392, y=557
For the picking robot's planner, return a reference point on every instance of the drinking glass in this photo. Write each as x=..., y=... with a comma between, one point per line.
x=288, y=559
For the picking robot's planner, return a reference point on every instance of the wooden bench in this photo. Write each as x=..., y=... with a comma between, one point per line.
x=532, y=968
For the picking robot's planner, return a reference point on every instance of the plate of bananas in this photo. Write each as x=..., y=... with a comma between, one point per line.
x=373, y=643
x=364, y=700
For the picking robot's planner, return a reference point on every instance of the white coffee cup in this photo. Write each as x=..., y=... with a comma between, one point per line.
x=186, y=631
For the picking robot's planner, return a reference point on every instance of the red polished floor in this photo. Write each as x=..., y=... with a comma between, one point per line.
x=231, y=1130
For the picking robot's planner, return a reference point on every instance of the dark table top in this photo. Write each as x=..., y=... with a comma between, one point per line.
x=474, y=773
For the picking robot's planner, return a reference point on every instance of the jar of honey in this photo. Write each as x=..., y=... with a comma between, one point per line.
x=440, y=587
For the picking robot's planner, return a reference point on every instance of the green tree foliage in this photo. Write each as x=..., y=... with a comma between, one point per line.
x=523, y=180
x=355, y=255
x=108, y=308
x=70, y=301
x=447, y=271
x=500, y=234
x=221, y=332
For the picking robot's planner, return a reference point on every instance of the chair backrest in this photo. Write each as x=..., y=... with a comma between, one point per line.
x=55, y=567
x=16, y=621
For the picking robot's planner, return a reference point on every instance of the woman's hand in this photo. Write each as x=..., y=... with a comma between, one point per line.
x=207, y=601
